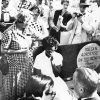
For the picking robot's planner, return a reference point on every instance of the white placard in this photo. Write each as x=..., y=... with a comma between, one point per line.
x=89, y=56
x=6, y=17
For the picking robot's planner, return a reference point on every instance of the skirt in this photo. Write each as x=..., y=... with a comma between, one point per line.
x=18, y=63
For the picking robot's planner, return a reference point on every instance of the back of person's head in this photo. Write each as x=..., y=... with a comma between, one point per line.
x=87, y=80
x=49, y=42
x=37, y=84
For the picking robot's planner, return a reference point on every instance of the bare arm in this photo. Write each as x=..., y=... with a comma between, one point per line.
x=5, y=51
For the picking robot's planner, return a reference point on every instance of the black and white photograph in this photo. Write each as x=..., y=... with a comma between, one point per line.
x=49, y=49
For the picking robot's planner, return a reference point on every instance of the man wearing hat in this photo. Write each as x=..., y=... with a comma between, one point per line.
x=82, y=27
x=83, y=7
x=87, y=20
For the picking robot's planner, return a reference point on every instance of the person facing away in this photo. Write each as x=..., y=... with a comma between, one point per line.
x=85, y=82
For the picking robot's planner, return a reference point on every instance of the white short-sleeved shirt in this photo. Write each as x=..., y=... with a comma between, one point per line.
x=43, y=63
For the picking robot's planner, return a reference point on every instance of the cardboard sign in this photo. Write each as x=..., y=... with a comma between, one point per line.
x=89, y=56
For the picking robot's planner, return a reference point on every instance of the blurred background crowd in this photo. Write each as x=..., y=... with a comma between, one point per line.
x=47, y=15
x=30, y=33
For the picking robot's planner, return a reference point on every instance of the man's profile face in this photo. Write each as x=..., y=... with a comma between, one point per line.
x=48, y=93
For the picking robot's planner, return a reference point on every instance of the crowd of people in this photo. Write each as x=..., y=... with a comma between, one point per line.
x=29, y=48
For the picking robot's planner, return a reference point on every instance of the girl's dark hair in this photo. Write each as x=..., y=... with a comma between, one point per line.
x=36, y=85
x=20, y=18
x=49, y=42
x=34, y=8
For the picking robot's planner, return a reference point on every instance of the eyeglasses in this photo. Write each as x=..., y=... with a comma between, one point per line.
x=52, y=93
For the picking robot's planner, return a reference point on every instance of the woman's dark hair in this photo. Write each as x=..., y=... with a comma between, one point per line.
x=20, y=18
x=49, y=42
x=34, y=8
x=36, y=85
x=62, y=1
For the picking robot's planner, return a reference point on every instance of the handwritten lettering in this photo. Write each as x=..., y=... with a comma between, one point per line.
x=89, y=53
x=91, y=48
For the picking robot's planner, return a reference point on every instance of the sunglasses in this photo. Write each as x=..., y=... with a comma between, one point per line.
x=52, y=93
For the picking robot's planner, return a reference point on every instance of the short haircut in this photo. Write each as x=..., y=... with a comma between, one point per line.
x=37, y=84
x=49, y=42
x=89, y=80
x=62, y=1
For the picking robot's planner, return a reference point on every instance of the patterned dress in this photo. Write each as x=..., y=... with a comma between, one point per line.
x=37, y=32
x=37, y=28
x=18, y=63
x=34, y=29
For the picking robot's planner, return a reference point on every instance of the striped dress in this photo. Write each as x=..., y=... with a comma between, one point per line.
x=18, y=62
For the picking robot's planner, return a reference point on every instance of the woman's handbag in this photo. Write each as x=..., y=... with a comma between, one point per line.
x=4, y=66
